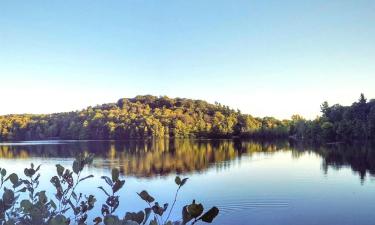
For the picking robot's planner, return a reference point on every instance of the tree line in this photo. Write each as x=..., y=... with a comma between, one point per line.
x=150, y=116
x=338, y=123
x=141, y=117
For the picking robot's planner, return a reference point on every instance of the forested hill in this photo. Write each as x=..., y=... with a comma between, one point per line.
x=141, y=117
x=150, y=116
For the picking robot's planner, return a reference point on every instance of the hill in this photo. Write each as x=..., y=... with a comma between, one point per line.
x=141, y=117
x=151, y=116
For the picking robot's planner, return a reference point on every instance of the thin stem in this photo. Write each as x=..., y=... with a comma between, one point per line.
x=195, y=220
x=174, y=202
x=74, y=187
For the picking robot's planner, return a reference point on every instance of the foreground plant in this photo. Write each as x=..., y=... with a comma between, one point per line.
x=70, y=207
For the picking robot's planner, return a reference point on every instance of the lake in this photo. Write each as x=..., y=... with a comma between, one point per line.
x=256, y=183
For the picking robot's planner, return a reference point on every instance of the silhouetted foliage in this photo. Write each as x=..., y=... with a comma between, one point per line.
x=70, y=207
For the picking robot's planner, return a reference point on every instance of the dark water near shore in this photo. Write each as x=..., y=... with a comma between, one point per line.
x=257, y=183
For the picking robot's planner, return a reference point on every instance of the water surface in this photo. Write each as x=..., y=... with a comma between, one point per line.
x=251, y=182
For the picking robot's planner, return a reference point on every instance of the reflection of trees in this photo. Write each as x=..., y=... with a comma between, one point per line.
x=361, y=159
x=151, y=157
x=178, y=156
x=164, y=156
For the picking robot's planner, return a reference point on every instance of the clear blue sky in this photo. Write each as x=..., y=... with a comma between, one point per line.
x=271, y=58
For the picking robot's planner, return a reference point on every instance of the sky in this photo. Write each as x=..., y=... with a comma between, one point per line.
x=266, y=58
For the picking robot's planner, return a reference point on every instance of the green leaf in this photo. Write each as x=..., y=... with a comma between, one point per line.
x=98, y=220
x=52, y=204
x=184, y=181
x=8, y=198
x=146, y=197
x=60, y=170
x=22, y=189
x=209, y=216
x=118, y=185
x=89, y=159
x=42, y=197
x=77, y=167
x=13, y=178
x=111, y=220
x=147, y=214
x=153, y=222
x=59, y=220
x=29, y=172
x=186, y=217
x=26, y=205
x=37, y=168
x=115, y=174
x=194, y=209
x=3, y=172
x=105, y=192
x=84, y=178
x=107, y=180
x=177, y=180
x=137, y=217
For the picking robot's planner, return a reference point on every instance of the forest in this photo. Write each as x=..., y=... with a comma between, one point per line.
x=150, y=116
x=338, y=123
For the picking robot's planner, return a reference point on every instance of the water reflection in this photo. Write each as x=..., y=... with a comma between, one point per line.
x=162, y=157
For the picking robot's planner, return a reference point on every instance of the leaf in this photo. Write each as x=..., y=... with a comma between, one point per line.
x=146, y=197
x=105, y=192
x=26, y=205
x=137, y=217
x=107, y=180
x=77, y=167
x=177, y=180
x=29, y=172
x=115, y=174
x=111, y=220
x=3, y=172
x=74, y=195
x=157, y=209
x=91, y=201
x=52, y=204
x=105, y=209
x=84, y=178
x=165, y=207
x=184, y=181
x=13, y=178
x=42, y=197
x=147, y=214
x=37, y=169
x=209, y=216
x=194, y=209
x=97, y=220
x=89, y=159
x=186, y=217
x=60, y=169
x=22, y=189
x=153, y=222
x=129, y=222
x=59, y=220
x=118, y=185
x=8, y=199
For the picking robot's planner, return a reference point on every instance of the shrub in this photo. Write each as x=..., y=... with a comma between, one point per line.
x=70, y=207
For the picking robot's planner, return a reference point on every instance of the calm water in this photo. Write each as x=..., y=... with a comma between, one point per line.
x=251, y=183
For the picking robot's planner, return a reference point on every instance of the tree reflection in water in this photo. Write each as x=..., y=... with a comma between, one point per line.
x=160, y=157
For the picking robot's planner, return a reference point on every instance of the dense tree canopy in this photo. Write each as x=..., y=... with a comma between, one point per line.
x=339, y=123
x=141, y=117
x=151, y=116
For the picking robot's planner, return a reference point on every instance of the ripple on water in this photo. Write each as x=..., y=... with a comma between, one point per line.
x=237, y=205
